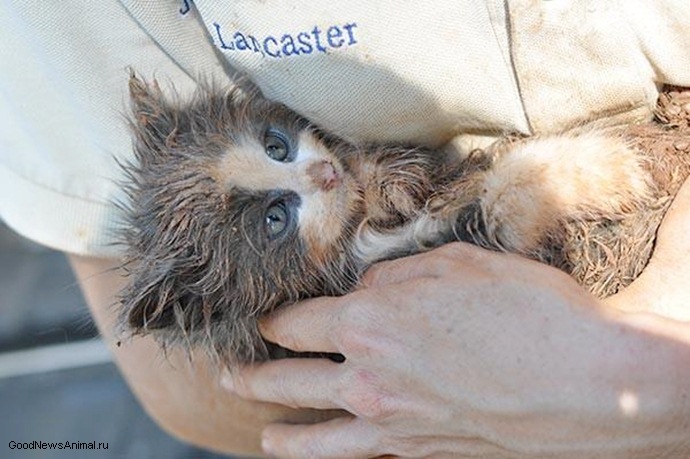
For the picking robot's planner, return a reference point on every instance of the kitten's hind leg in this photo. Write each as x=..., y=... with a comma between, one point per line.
x=535, y=185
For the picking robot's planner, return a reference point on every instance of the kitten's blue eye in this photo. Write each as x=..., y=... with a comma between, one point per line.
x=276, y=146
x=277, y=220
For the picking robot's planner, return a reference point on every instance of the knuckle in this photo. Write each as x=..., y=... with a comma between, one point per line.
x=365, y=398
x=355, y=342
x=374, y=274
x=351, y=321
x=441, y=260
x=366, y=344
x=350, y=314
x=453, y=254
x=458, y=251
x=241, y=385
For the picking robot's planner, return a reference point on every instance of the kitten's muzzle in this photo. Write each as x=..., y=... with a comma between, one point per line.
x=323, y=175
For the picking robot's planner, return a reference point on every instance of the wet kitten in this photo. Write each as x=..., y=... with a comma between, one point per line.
x=238, y=206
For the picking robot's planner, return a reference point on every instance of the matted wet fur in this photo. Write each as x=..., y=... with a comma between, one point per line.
x=237, y=206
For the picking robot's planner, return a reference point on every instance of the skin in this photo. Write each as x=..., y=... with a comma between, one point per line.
x=529, y=366
x=184, y=397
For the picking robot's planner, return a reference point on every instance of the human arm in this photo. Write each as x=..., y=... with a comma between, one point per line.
x=463, y=352
x=183, y=396
x=663, y=287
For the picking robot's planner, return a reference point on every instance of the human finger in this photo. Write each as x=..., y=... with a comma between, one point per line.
x=352, y=437
x=345, y=437
x=303, y=327
x=434, y=263
x=297, y=383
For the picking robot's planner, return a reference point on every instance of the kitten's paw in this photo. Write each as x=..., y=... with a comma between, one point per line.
x=537, y=184
x=397, y=183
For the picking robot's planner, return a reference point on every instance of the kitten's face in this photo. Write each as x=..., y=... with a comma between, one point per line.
x=308, y=192
x=236, y=207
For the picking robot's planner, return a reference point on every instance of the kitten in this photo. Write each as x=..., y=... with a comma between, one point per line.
x=237, y=206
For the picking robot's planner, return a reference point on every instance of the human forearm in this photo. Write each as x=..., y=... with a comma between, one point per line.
x=655, y=334
x=644, y=366
x=183, y=396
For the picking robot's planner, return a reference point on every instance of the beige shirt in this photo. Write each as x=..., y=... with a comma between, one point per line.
x=385, y=70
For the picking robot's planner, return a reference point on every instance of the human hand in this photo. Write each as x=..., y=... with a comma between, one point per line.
x=456, y=352
x=662, y=288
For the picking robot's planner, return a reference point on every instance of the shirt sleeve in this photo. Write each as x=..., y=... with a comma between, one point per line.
x=63, y=101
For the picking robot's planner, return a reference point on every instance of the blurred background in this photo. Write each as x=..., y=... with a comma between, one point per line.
x=57, y=382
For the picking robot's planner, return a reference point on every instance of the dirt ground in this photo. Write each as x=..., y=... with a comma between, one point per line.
x=606, y=257
x=667, y=139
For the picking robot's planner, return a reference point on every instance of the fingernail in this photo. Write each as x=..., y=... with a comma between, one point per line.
x=226, y=381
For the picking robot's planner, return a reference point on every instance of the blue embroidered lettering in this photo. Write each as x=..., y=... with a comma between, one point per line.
x=351, y=33
x=335, y=39
x=240, y=42
x=317, y=35
x=289, y=44
x=256, y=46
x=220, y=38
x=184, y=9
x=275, y=42
x=305, y=40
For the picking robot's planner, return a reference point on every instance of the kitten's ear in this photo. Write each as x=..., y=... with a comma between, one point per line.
x=155, y=119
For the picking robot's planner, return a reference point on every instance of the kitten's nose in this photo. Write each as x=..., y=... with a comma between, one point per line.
x=323, y=175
